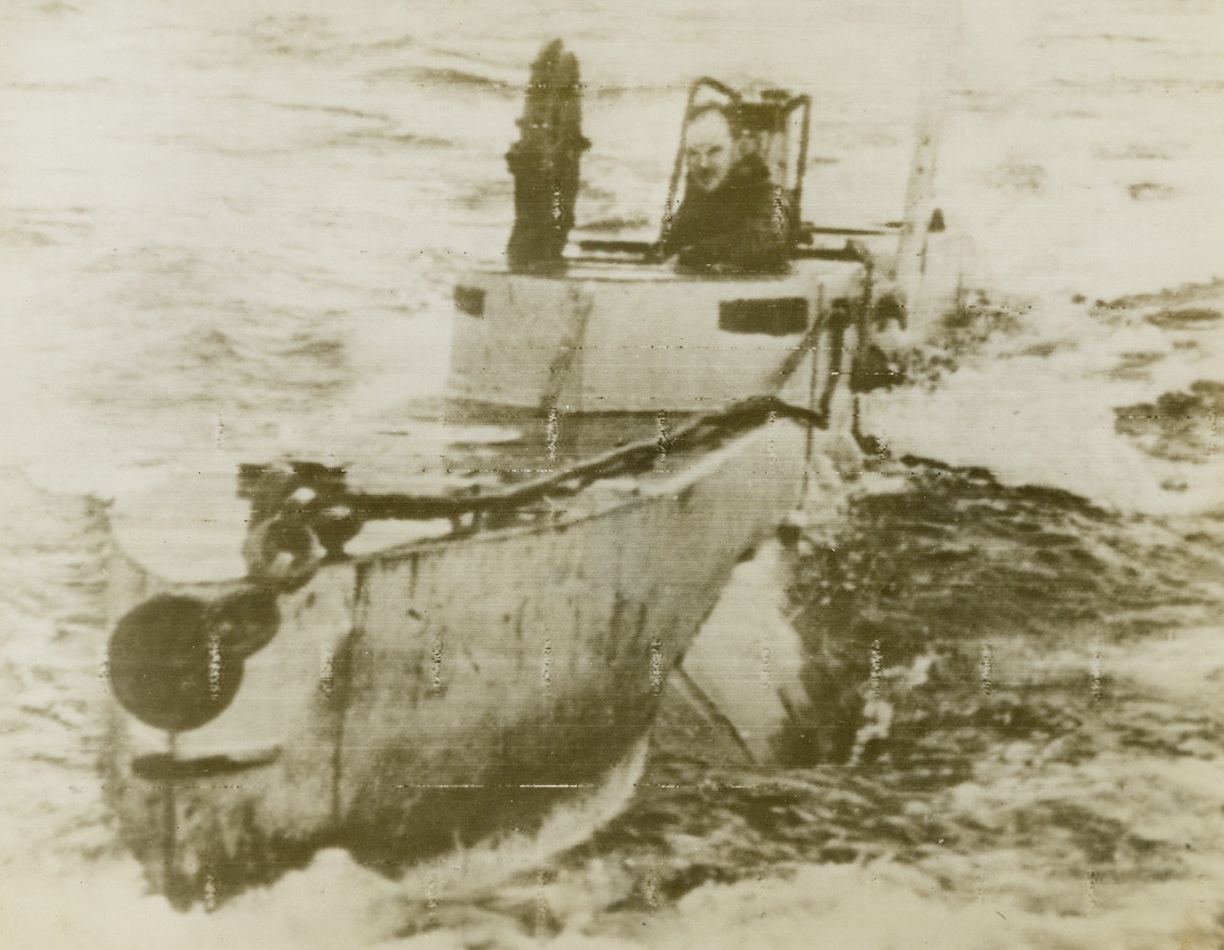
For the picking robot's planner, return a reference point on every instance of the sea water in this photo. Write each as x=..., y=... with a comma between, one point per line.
x=230, y=232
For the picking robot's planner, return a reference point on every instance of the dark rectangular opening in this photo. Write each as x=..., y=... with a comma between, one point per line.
x=470, y=300
x=774, y=316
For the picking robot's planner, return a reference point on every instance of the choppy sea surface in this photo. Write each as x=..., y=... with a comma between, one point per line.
x=229, y=232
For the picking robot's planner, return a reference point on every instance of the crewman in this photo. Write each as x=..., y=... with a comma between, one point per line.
x=733, y=218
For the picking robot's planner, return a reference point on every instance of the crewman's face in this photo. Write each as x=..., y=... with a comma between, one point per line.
x=708, y=150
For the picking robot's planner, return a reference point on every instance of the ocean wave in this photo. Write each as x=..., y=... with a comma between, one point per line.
x=443, y=77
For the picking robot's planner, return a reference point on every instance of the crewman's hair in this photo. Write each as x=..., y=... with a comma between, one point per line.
x=725, y=109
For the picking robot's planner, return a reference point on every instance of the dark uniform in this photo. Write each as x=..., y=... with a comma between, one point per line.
x=744, y=225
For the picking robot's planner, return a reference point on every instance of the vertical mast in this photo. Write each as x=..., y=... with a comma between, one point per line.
x=921, y=216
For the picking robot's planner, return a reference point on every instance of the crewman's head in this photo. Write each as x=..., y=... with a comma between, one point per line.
x=709, y=148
